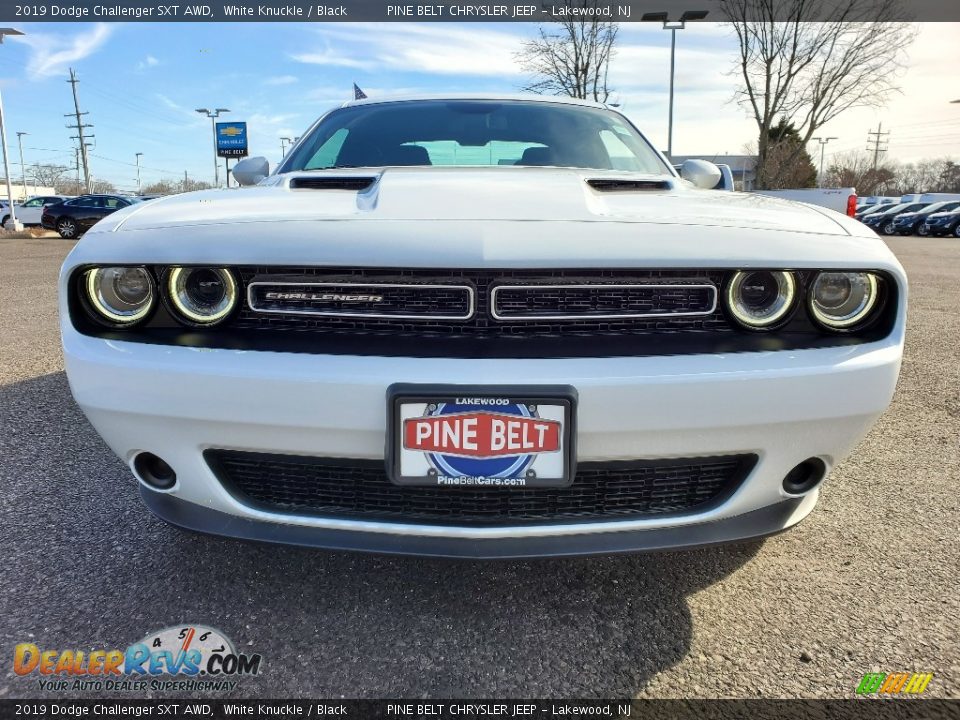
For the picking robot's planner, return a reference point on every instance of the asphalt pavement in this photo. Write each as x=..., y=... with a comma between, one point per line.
x=868, y=583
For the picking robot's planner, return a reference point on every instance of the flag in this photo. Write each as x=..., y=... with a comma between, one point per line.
x=358, y=94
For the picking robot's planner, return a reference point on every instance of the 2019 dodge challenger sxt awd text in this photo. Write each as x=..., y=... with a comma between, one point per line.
x=481, y=327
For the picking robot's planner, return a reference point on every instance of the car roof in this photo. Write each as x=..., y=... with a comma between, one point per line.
x=498, y=97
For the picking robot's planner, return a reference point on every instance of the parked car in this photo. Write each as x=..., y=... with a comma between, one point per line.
x=842, y=200
x=874, y=208
x=938, y=197
x=943, y=223
x=74, y=217
x=381, y=347
x=869, y=200
x=883, y=221
x=30, y=212
x=910, y=223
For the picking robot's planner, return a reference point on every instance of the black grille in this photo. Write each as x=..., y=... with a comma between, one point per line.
x=482, y=325
x=340, y=298
x=359, y=489
x=603, y=299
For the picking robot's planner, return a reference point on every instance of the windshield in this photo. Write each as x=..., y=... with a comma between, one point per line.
x=943, y=206
x=474, y=133
x=893, y=208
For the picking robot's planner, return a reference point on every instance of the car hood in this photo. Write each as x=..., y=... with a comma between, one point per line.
x=482, y=194
x=941, y=215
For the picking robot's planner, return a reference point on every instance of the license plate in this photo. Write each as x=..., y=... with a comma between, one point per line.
x=462, y=436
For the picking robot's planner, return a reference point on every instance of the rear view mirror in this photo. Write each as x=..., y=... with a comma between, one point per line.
x=701, y=173
x=251, y=170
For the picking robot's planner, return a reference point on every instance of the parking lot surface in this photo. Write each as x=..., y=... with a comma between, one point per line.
x=868, y=583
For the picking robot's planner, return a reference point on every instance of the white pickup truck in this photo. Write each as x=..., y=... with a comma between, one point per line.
x=843, y=200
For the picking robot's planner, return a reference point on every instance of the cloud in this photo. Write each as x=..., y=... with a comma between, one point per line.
x=148, y=62
x=434, y=49
x=188, y=116
x=52, y=54
x=281, y=80
x=333, y=58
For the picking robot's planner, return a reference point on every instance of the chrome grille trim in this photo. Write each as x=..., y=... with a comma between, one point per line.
x=374, y=286
x=602, y=316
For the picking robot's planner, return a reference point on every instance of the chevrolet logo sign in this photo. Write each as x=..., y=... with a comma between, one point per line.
x=231, y=131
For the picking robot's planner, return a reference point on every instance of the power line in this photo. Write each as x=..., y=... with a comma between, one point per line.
x=142, y=167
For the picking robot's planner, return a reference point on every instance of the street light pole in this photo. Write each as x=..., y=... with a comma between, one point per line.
x=13, y=222
x=23, y=171
x=284, y=141
x=213, y=115
x=823, y=146
x=139, y=155
x=673, y=26
x=673, y=63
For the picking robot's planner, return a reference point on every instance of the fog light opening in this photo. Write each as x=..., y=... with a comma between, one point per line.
x=154, y=471
x=805, y=477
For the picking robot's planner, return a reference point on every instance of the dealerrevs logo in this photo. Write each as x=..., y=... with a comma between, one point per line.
x=191, y=651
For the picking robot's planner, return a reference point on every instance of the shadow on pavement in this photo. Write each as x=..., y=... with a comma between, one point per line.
x=89, y=567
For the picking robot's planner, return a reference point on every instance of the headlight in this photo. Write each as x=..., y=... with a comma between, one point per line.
x=120, y=295
x=761, y=298
x=202, y=295
x=840, y=300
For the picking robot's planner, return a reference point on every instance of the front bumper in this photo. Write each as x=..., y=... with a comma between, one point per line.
x=784, y=407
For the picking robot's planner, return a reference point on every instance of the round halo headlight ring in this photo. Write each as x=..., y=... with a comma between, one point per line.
x=843, y=300
x=760, y=299
x=119, y=296
x=202, y=295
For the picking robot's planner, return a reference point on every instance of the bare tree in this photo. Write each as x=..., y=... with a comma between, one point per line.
x=102, y=186
x=572, y=56
x=810, y=60
x=855, y=169
x=49, y=175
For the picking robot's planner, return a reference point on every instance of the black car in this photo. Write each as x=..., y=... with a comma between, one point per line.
x=882, y=222
x=944, y=223
x=909, y=223
x=74, y=217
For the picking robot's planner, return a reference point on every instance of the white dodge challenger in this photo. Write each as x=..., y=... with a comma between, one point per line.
x=481, y=327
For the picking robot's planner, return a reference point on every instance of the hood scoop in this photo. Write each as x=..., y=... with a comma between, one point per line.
x=627, y=185
x=355, y=183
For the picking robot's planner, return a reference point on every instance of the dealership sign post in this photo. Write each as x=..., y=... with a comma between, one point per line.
x=231, y=143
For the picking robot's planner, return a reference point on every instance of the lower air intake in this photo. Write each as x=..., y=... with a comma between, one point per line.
x=359, y=489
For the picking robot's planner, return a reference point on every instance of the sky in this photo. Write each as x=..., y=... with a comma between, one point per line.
x=140, y=84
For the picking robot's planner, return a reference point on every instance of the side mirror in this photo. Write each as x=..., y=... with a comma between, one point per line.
x=251, y=170
x=701, y=173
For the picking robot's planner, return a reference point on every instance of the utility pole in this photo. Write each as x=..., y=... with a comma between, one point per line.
x=77, y=152
x=876, y=142
x=184, y=180
x=283, y=145
x=23, y=171
x=823, y=145
x=139, y=155
x=79, y=128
